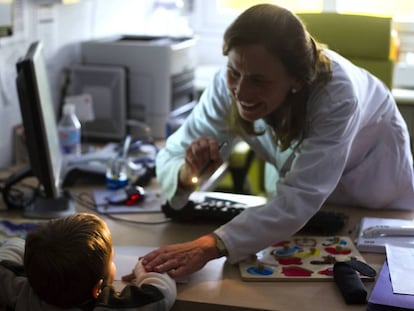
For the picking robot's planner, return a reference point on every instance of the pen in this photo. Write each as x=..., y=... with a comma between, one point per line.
x=195, y=179
x=125, y=147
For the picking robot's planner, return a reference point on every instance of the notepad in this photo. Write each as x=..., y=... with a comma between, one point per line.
x=377, y=244
x=400, y=259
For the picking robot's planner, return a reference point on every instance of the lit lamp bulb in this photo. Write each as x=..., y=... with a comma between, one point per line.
x=196, y=179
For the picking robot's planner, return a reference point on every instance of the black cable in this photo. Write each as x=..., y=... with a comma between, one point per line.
x=111, y=216
x=144, y=179
x=86, y=200
x=64, y=85
x=13, y=194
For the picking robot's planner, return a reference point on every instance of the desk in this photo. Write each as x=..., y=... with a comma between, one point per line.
x=218, y=285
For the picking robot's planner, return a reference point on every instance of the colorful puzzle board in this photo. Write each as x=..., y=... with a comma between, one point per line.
x=301, y=258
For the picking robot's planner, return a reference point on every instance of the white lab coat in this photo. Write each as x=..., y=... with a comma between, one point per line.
x=356, y=152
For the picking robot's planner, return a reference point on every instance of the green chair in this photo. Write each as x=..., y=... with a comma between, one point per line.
x=236, y=179
x=367, y=41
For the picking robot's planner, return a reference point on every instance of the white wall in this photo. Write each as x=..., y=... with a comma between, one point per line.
x=61, y=28
x=209, y=28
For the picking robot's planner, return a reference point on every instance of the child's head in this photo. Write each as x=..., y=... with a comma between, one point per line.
x=67, y=260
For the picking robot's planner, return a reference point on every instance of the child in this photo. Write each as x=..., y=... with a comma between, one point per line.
x=67, y=263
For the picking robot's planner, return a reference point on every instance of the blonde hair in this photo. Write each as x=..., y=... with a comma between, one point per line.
x=285, y=37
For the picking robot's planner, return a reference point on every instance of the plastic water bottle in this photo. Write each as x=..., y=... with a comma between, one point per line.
x=69, y=128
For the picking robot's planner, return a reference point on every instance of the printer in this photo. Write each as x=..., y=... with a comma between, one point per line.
x=159, y=70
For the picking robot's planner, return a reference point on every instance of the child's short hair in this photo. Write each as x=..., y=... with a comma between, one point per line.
x=65, y=258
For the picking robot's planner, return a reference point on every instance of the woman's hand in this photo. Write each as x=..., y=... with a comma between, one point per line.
x=201, y=152
x=182, y=259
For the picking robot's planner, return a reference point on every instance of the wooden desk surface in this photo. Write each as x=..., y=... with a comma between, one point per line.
x=218, y=285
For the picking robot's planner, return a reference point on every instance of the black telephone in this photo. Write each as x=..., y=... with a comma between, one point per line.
x=210, y=210
x=219, y=210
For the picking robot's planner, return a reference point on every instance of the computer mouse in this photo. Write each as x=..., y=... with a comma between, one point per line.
x=128, y=196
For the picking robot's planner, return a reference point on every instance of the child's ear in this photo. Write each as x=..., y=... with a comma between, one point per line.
x=96, y=291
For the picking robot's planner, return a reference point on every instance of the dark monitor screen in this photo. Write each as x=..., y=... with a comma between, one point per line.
x=40, y=127
x=39, y=120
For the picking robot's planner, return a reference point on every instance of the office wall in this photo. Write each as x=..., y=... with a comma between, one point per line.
x=61, y=28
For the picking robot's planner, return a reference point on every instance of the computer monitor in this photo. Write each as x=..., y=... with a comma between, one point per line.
x=40, y=128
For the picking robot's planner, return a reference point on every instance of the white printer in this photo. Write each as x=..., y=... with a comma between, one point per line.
x=159, y=74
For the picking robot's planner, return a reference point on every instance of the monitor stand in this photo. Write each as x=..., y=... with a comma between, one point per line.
x=47, y=208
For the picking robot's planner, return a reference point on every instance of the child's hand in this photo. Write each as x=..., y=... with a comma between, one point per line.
x=138, y=269
x=128, y=277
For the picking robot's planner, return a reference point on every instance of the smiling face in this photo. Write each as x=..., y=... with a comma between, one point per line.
x=258, y=82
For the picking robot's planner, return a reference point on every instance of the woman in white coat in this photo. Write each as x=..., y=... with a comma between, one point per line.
x=329, y=132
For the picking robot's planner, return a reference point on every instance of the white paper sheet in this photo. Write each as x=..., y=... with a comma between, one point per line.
x=126, y=257
x=400, y=257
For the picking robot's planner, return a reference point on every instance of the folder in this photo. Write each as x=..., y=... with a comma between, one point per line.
x=383, y=298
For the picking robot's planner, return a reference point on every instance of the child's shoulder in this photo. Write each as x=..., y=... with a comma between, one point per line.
x=131, y=297
x=17, y=293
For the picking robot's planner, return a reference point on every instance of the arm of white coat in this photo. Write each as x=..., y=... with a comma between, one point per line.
x=208, y=118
